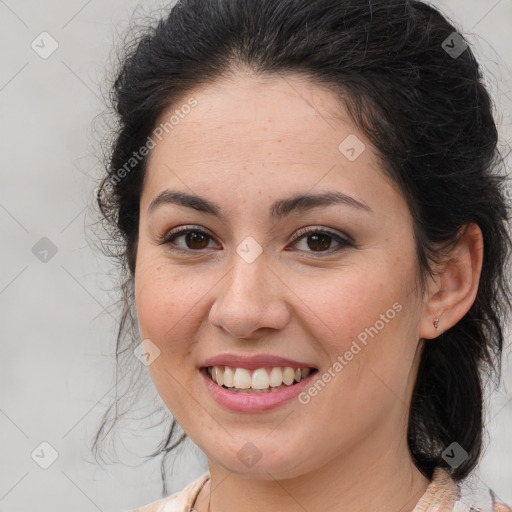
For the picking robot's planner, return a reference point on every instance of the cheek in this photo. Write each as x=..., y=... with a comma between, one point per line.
x=170, y=302
x=170, y=307
x=345, y=303
x=364, y=317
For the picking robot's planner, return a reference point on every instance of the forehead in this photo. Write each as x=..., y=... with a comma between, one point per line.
x=247, y=132
x=254, y=113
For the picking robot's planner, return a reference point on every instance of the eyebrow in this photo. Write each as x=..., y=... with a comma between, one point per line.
x=280, y=208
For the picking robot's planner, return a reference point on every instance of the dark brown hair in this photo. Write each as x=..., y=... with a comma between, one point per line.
x=427, y=113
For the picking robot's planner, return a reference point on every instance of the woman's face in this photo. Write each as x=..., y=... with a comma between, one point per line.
x=242, y=283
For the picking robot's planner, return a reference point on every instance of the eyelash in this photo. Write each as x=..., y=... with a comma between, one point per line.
x=169, y=237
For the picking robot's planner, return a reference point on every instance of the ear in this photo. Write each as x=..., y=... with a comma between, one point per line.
x=452, y=292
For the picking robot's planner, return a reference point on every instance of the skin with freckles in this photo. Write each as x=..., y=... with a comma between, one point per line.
x=249, y=142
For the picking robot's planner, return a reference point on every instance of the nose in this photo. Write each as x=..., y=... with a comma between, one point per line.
x=251, y=299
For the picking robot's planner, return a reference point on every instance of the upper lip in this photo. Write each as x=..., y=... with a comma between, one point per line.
x=253, y=362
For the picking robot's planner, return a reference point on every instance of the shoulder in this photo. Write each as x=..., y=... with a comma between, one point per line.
x=180, y=501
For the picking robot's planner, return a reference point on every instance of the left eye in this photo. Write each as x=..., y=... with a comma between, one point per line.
x=318, y=240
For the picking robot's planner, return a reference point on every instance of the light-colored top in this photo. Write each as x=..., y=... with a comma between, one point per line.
x=442, y=495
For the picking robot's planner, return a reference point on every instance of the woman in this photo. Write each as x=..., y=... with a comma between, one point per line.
x=315, y=237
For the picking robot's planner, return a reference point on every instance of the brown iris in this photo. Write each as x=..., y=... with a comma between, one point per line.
x=320, y=242
x=196, y=240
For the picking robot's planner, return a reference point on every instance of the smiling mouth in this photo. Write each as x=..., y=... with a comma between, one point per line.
x=261, y=380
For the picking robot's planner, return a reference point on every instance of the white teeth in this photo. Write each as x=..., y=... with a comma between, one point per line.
x=276, y=377
x=304, y=372
x=218, y=376
x=260, y=379
x=227, y=375
x=288, y=376
x=242, y=379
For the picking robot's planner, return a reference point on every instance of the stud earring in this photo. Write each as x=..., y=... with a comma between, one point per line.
x=436, y=322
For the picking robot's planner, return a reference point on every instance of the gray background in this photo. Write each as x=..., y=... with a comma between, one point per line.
x=58, y=320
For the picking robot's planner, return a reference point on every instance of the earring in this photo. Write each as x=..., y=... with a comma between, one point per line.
x=436, y=322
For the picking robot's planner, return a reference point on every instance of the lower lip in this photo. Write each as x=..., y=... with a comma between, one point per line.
x=253, y=402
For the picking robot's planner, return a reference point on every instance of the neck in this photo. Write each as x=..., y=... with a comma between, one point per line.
x=382, y=479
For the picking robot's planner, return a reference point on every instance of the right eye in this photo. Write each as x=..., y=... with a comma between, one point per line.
x=193, y=239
